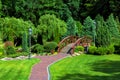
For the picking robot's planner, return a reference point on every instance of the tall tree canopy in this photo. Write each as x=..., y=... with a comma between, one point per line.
x=78, y=9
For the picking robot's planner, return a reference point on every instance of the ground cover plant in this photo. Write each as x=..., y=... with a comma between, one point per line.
x=16, y=69
x=87, y=67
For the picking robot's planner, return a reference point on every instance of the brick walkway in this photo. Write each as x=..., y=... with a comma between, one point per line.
x=39, y=71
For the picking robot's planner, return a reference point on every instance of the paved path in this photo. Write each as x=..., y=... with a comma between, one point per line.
x=39, y=71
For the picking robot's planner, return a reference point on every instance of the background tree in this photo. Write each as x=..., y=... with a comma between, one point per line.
x=89, y=27
x=112, y=26
x=13, y=27
x=71, y=27
x=79, y=27
x=103, y=37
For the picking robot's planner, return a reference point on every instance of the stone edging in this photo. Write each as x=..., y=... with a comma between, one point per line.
x=16, y=58
x=48, y=70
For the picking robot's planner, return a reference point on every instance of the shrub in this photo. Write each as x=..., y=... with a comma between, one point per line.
x=110, y=49
x=18, y=54
x=38, y=48
x=8, y=43
x=117, y=49
x=79, y=48
x=92, y=49
x=101, y=51
x=10, y=50
x=1, y=51
x=50, y=46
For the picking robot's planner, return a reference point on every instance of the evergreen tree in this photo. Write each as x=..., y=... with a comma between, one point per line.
x=24, y=42
x=78, y=28
x=118, y=23
x=89, y=27
x=112, y=26
x=71, y=26
x=103, y=37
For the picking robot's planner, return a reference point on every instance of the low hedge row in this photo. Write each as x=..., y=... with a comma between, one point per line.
x=101, y=50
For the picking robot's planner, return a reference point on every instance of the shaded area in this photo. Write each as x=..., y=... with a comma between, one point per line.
x=107, y=66
x=112, y=68
x=87, y=77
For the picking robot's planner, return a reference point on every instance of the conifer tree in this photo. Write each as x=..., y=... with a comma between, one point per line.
x=112, y=26
x=24, y=42
x=89, y=28
x=103, y=37
x=71, y=26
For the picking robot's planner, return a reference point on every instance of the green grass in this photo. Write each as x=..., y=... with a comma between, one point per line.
x=87, y=67
x=16, y=69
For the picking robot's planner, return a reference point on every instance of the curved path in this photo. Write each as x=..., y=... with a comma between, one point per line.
x=39, y=71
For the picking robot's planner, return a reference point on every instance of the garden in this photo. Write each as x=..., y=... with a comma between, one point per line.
x=30, y=28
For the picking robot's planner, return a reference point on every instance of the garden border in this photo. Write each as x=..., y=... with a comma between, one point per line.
x=48, y=70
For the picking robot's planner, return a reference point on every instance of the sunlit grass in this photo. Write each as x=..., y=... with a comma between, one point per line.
x=87, y=67
x=16, y=69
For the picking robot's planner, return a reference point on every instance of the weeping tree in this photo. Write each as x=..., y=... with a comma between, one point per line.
x=51, y=28
x=13, y=28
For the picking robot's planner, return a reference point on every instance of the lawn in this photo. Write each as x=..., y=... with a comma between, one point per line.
x=87, y=67
x=16, y=69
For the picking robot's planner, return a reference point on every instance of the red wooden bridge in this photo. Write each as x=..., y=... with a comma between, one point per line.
x=68, y=44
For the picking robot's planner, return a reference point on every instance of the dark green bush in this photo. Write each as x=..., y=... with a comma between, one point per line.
x=50, y=46
x=79, y=48
x=37, y=48
x=117, y=49
x=101, y=51
x=10, y=50
x=92, y=49
x=18, y=54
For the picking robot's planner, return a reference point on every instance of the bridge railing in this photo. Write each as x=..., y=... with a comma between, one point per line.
x=81, y=41
x=66, y=41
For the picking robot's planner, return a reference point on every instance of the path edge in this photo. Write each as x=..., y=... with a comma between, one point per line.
x=32, y=67
x=48, y=70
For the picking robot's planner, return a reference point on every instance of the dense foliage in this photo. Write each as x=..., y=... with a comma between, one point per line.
x=52, y=20
x=51, y=28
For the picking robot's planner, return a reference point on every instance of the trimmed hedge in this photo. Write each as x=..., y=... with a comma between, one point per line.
x=50, y=46
x=101, y=50
x=37, y=48
x=79, y=48
x=92, y=49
